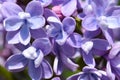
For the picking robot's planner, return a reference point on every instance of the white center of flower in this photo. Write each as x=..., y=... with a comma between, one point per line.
x=30, y=53
x=87, y=46
x=24, y=15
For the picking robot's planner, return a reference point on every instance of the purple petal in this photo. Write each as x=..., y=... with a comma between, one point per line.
x=48, y=73
x=48, y=13
x=75, y=40
x=70, y=8
x=74, y=77
x=45, y=3
x=34, y=8
x=88, y=58
x=113, y=11
x=43, y=44
x=69, y=25
x=38, y=33
x=21, y=47
x=109, y=72
x=36, y=22
x=14, y=9
x=101, y=44
x=16, y=63
x=115, y=50
x=90, y=23
x=58, y=66
x=69, y=63
x=61, y=37
x=24, y=35
x=12, y=37
x=113, y=22
x=13, y=23
x=34, y=73
x=56, y=78
x=57, y=2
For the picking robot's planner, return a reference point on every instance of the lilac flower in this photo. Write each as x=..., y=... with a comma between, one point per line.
x=20, y=27
x=33, y=57
x=88, y=47
x=89, y=73
x=60, y=31
x=63, y=58
x=105, y=17
x=113, y=68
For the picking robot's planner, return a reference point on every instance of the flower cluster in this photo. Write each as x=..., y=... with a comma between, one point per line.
x=58, y=32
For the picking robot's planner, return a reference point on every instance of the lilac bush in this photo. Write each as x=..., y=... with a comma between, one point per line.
x=62, y=39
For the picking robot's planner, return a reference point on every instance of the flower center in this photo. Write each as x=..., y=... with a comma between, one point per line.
x=23, y=15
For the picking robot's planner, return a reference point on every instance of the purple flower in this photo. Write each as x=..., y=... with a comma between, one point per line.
x=89, y=73
x=88, y=47
x=105, y=17
x=33, y=57
x=113, y=64
x=60, y=31
x=20, y=27
x=63, y=58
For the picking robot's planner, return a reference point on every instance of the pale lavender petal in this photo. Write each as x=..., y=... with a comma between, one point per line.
x=90, y=23
x=13, y=23
x=45, y=3
x=24, y=35
x=14, y=9
x=69, y=25
x=12, y=37
x=81, y=15
x=58, y=66
x=36, y=22
x=75, y=40
x=11, y=1
x=70, y=8
x=38, y=33
x=56, y=78
x=74, y=77
x=43, y=44
x=47, y=70
x=101, y=44
x=34, y=8
x=35, y=73
x=113, y=22
x=16, y=63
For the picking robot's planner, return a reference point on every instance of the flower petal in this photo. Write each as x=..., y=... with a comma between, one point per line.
x=75, y=40
x=45, y=3
x=58, y=66
x=88, y=58
x=35, y=73
x=34, y=8
x=38, y=33
x=36, y=22
x=101, y=44
x=47, y=70
x=69, y=25
x=43, y=44
x=14, y=9
x=24, y=35
x=12, y=37
x=74, y=77
x=13, y=23
x=70, y=8
x=113, y=22
x=16, y=63
x=90, y=23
